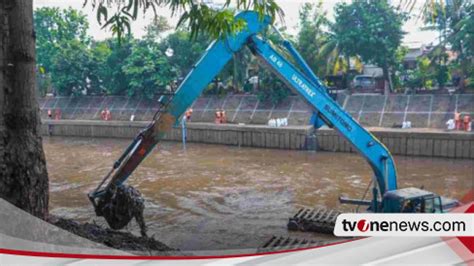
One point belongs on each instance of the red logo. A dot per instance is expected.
(362, 225)
(464, 246)
(468, 241)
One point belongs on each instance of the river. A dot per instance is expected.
(212, 197)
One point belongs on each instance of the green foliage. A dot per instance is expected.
(156, 28)
(439, 65)
(462, 38)
(43, 81)
(459, 34)
(470, 80)
(73, 70)
(55, 27)
(398, 68)
(195, 16)
(63, 50)
(147, 70)
(271, 88)
(370, 29)
(454, 20)
(421, 77)
(365, 29)
(75, 65)
(216, 88)
(111, 73)
(444, 17)
(312, 37)
(442, 75)
(186, 51)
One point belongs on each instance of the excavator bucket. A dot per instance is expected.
(119, 205)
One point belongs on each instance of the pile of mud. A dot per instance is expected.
(124, 241)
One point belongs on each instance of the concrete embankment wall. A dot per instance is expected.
(399, 142)
(227, 134)
(408, 143)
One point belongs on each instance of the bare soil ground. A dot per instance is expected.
(124, 241)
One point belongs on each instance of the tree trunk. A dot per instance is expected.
(23, 175)
(387, 80)
(348, 71)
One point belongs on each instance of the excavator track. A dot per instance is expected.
(318, 220)
(276, 243)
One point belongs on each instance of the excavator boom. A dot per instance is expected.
(206, 69)
(217, 55)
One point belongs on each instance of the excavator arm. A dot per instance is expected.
(204, 71)
(376, 154)
(172, 107)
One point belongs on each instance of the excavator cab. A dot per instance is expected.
(415, 200)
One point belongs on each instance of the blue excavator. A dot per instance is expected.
(119, 203)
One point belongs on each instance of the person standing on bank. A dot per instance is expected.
(457, 119)
(50, 127)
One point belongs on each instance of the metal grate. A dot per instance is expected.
(319, 220)
(276, 243)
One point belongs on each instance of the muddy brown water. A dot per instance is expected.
(212, 197)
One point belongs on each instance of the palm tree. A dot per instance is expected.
(337, 59)
(334, 55)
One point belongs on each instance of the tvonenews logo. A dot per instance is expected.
(400, 224)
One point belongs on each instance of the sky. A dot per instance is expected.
(414, 37)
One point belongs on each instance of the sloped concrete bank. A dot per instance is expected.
(414, 142)
(423, 111)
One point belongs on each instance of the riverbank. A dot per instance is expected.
(423, 111)
(411, 142)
